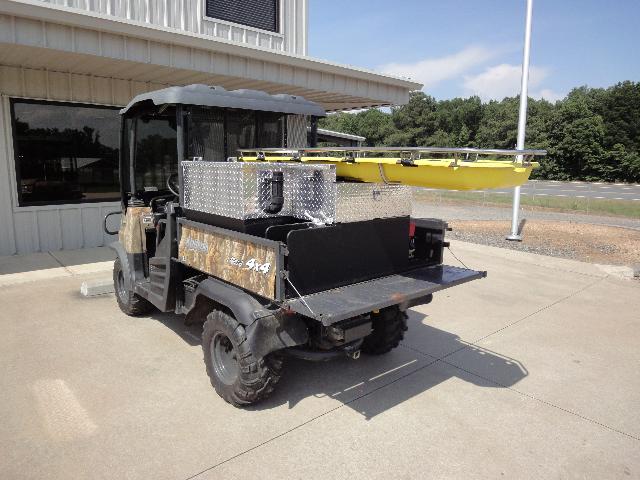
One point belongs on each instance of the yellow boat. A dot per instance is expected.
(465, 170)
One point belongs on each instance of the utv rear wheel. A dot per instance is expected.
(389, 326)
(128, 301)
(237, 375)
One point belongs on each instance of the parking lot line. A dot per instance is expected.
(63, 417)
(393, 370)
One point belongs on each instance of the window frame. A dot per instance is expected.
(131, 186)
(19, 204)
(257, 125)
(277, 33)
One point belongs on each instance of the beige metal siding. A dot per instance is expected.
(7, 238)
(95, 51)
(53, 227)
(189, 16)
(102, 54)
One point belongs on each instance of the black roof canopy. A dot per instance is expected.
(213, 96)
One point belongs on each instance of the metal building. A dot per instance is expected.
(67, 65)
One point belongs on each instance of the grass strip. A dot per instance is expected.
(595, 206)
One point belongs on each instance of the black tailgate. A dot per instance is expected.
(331, 306)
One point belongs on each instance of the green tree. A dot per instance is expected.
(372, 124)
(464, 137)
(416, 120)
(619, 107)
(575, 139)
(626, 164)
(460, 117)
(592, 134)
(498, 127)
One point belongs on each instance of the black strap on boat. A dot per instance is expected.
(349, 157)
(407, 162)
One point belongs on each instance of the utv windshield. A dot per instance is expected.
(211, 134)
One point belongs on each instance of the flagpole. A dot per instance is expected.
(522, 118)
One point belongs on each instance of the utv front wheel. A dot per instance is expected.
(128, 301)
(237, 375)
(389, 326)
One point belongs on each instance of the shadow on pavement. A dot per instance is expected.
(191, 334)
(347, 380)
(33, 262)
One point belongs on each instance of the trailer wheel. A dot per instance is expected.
(389, 326)
(129, 302)
(237, 375)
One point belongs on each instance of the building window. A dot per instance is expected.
(65, 153)
(262, 14)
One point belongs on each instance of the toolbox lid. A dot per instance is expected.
(214, 96)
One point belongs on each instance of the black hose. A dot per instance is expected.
(277, 193)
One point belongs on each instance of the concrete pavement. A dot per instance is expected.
(529, 373)
(15, 269)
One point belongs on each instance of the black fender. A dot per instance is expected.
(275, 332)
(245, 308)
(124, 262)
(267, 330)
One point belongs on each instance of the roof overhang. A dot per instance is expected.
(35, 34)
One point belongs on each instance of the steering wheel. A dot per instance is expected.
(172, 184)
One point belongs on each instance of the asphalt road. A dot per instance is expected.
(612, 191)
(466, 211)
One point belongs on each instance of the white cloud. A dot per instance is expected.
(503, 80)
(432, 71)
(494, 83)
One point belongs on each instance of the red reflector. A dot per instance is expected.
(412, 229)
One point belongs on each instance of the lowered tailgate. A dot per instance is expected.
(331, 306)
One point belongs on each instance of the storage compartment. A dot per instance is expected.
(356, 202)
(252, 196)
(245, 190)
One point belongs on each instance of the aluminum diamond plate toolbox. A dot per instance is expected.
(242, 190)
(356, 202)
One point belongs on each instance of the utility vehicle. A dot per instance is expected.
(275, 258)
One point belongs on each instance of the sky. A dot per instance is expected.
(458, 48)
